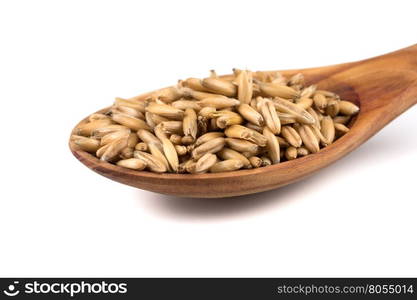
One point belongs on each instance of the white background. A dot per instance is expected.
(61, 60)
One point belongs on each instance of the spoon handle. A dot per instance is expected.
(386, 84)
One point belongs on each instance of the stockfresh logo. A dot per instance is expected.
(65, 288)
(12, 290)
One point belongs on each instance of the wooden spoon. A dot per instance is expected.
(383, 87)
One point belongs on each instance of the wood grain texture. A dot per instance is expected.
(383, 87)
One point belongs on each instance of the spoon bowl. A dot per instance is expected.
(383, 87)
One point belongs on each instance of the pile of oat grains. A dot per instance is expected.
(217, 124)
